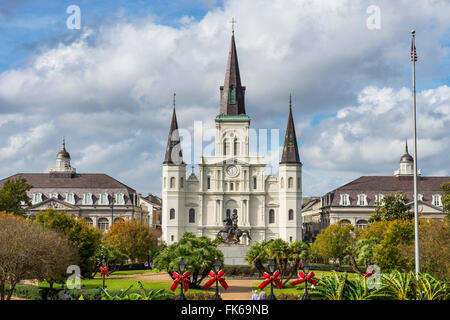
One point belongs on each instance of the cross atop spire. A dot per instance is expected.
(232, 24)
(64, 143)
(174, 95)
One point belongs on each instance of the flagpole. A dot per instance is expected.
(416, 214)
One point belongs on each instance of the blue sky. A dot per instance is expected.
(108, 86)
(29, 25)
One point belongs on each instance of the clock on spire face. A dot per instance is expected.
(232, 170)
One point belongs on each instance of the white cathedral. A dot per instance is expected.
(232, 181)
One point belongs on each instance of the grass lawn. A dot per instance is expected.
(116, 281)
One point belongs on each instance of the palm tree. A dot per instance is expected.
(431, 288)
(358, 289)
(333, 287)
(258, 255)
(399, 286)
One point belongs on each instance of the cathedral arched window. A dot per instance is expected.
(255, 183)
(290, 183)
(291, 214)
(172, 182)
(271, 216)
(172, 214)
(103, 224)
(181, 183)
(299, 183)
(191, 215)
(236, 146)
(208, 183)
(226, 147)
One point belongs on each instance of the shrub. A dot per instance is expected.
(289, 296)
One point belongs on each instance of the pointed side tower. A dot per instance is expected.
(290, 176)
(173, 186)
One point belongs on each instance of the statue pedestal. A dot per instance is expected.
(234, 254)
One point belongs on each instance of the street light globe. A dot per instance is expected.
(271, 266)
(182, 265)
(217, 265)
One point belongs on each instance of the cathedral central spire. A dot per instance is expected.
(232, 102)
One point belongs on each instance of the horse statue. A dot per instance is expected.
(231, 233)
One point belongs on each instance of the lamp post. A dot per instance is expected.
(182, 268)
(305, 267)
(271, 267)
(217, 265)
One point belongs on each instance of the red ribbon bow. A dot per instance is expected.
(304, 278)
(269, 278)
(215, 277)
(369, 272)
(179, 278)
(104, 270)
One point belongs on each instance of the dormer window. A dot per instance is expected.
(53, 195)
(345, 200)
(436, 200)
(379, 199)
(362, 200)
(419, 197)
(120, 199)
(104, 199)
(87, 198)
(37, 197)
(70, 197)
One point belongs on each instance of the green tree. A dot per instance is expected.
(257, 255)
(112, 256)
(199, 253)
(13, 195)
(387, 254)
(30, 251)
(445, 187)
(393, 207)
(131, 238)
(434, 248)
(84, 237)
(335, 242)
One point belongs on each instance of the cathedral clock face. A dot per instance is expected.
(232, 171)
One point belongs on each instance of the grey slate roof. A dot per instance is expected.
(79, 183)
(373, 185)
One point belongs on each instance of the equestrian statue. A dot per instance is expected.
(231, 233)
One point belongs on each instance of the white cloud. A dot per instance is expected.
(112, 87)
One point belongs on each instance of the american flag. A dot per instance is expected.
(413, 52)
